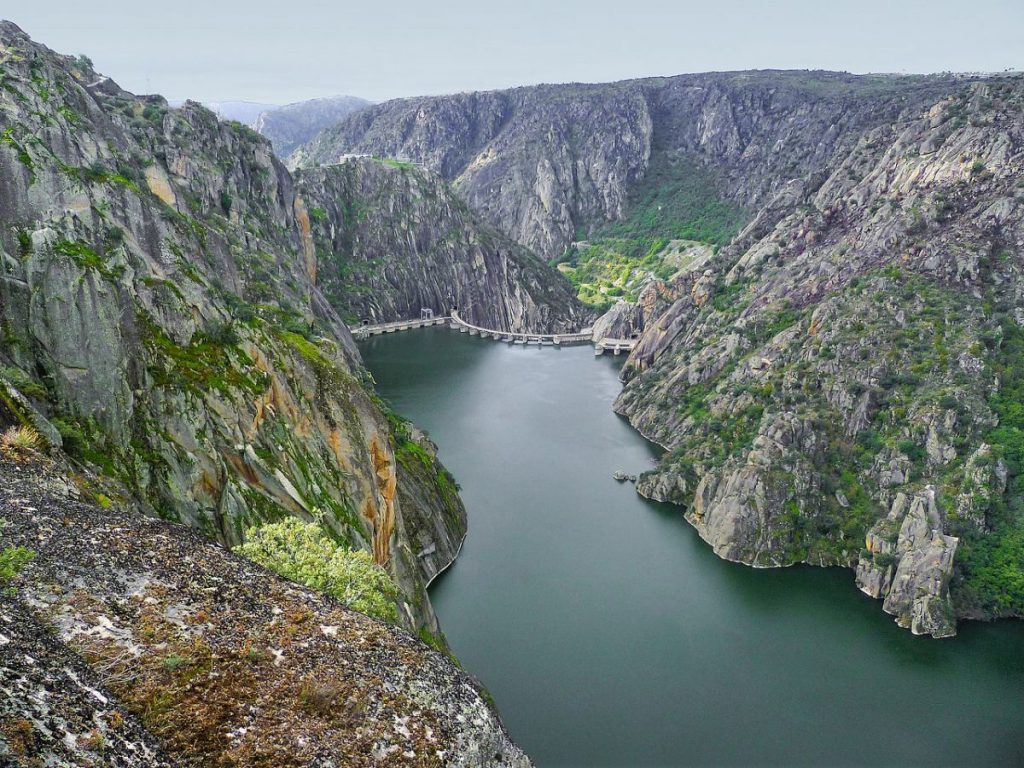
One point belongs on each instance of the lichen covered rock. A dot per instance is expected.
(196, 655)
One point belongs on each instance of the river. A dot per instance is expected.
(609, 634)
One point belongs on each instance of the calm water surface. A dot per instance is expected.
(610, 635)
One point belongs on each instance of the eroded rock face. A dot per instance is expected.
(541, 162)
(528, 159)
(221, 660)
(911, 572)
(623, 321)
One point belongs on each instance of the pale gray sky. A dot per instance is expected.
(288, 50)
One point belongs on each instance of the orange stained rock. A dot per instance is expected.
(338, 445)
(382, 515)
(278, 400)
(242, 468)
(208, 485)
(306, 237)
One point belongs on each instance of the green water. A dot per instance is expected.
(610, 635)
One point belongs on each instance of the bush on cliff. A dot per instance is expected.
(303, 552)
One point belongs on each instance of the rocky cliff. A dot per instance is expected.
(547, 163)
(392, 238)
(839, 385)
(162, 326)
(159, 306)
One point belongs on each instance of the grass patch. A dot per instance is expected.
(678, 199)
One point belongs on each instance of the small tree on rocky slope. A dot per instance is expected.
(303, 552)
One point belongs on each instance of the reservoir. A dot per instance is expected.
(609, 634)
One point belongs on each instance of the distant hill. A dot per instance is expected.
(293, 124)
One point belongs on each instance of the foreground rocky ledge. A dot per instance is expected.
(222, 662)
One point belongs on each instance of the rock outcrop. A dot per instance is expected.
(136, 642)
(912, 571)
(829, 387)
(525, 158)
(159, 306)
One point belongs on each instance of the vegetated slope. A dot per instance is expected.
(124, 628)
(672, 215)
(159, 312)
(392, 239)
(549, 164)
(841, 384)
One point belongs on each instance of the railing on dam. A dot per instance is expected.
(617, 346)
(555, 339)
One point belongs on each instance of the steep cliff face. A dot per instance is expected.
(840, 386)
(392, 239)
(152, 646)
(545, 164)
(159, 307)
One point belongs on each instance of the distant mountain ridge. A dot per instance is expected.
(546, 163)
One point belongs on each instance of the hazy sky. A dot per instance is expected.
(288, 50)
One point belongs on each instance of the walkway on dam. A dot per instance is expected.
(616, 346)
(362, 331)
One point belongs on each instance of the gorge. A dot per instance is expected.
(832, 370)
(819, 277)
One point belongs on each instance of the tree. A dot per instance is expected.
(303, 552)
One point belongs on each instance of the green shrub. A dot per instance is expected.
(12, 560)
(303, 552)
(913, 451)
(221, 333)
